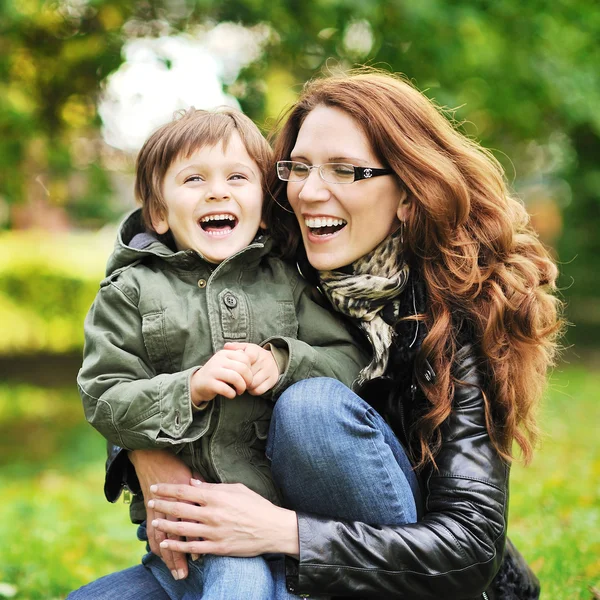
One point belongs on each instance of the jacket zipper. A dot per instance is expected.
(485, 596)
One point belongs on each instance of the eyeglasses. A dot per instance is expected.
(290, 170)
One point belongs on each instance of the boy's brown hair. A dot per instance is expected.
(190, 131)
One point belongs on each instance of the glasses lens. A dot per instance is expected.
(288, 170)
(298, 171)
(337, 172)
(283, 170)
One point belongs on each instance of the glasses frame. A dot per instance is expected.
(360, 173)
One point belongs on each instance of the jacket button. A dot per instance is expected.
(230, 301)
(201, 283)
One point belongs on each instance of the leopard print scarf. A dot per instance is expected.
(375, 280)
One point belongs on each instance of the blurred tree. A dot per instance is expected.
(523, 78)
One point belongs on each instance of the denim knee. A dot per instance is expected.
(313, 417)
(312, 400)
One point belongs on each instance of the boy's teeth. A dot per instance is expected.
(217, 218)
(314, 222)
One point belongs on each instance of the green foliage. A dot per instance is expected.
(523, 78)
(47, 284)
(555, 503)
(58, 532)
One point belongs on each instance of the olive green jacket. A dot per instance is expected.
(161, 314)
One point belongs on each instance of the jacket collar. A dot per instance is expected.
(135, 243)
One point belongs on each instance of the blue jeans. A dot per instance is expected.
(332, 455)
(210, 578)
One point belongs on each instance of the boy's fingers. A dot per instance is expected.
(224, 389)
(235, 346)
(252, 351)
(263, 387)
(237, 355)
(246, 371)
(234, 378)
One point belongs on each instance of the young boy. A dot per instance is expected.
(197, 327)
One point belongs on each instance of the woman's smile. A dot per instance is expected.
(340, 222)
(321, 228)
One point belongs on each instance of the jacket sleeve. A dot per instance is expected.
(326, 344)
(453, 552)
(123, 398)
(120, 473)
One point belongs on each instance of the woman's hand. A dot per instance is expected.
(231, 520)
(160, 465)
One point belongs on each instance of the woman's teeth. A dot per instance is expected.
(316, 222)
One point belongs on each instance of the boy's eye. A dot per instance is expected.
(193, 178)
(237, 177)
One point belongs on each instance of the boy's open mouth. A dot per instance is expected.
(324, 225)
(217, 225)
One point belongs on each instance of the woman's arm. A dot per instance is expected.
(231, 519)
(453, 552)
(160, 465)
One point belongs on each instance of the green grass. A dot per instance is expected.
(58, 532)
(555, 502)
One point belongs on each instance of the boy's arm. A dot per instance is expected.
(123, 398)
(325, 347)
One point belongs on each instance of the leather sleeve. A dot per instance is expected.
(453, 552)
(119, 473)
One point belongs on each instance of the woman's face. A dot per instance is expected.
(340, 222)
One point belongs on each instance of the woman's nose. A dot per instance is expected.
(314, 189)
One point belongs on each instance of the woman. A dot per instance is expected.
(412, 233)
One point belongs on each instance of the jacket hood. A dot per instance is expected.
(134, 243)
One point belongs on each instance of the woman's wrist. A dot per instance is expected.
(288, 541)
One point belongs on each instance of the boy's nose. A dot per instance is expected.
(217, 192)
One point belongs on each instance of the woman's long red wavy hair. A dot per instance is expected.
(472, 243)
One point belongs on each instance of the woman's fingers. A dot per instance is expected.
(179, 559)
(182, 529)
(179, 510)
(175, 561)
(198, 547)
(197, 493)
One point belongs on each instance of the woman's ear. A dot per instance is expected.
(403, 204)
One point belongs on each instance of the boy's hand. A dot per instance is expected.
(228, 373)
(264, 368)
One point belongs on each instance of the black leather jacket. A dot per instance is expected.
(457, 546)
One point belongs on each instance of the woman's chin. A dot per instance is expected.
(326, 261)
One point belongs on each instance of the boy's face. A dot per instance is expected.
(214, 200)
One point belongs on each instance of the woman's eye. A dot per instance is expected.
(299, 169)
(343, 170)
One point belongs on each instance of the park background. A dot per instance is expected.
(82, 82)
